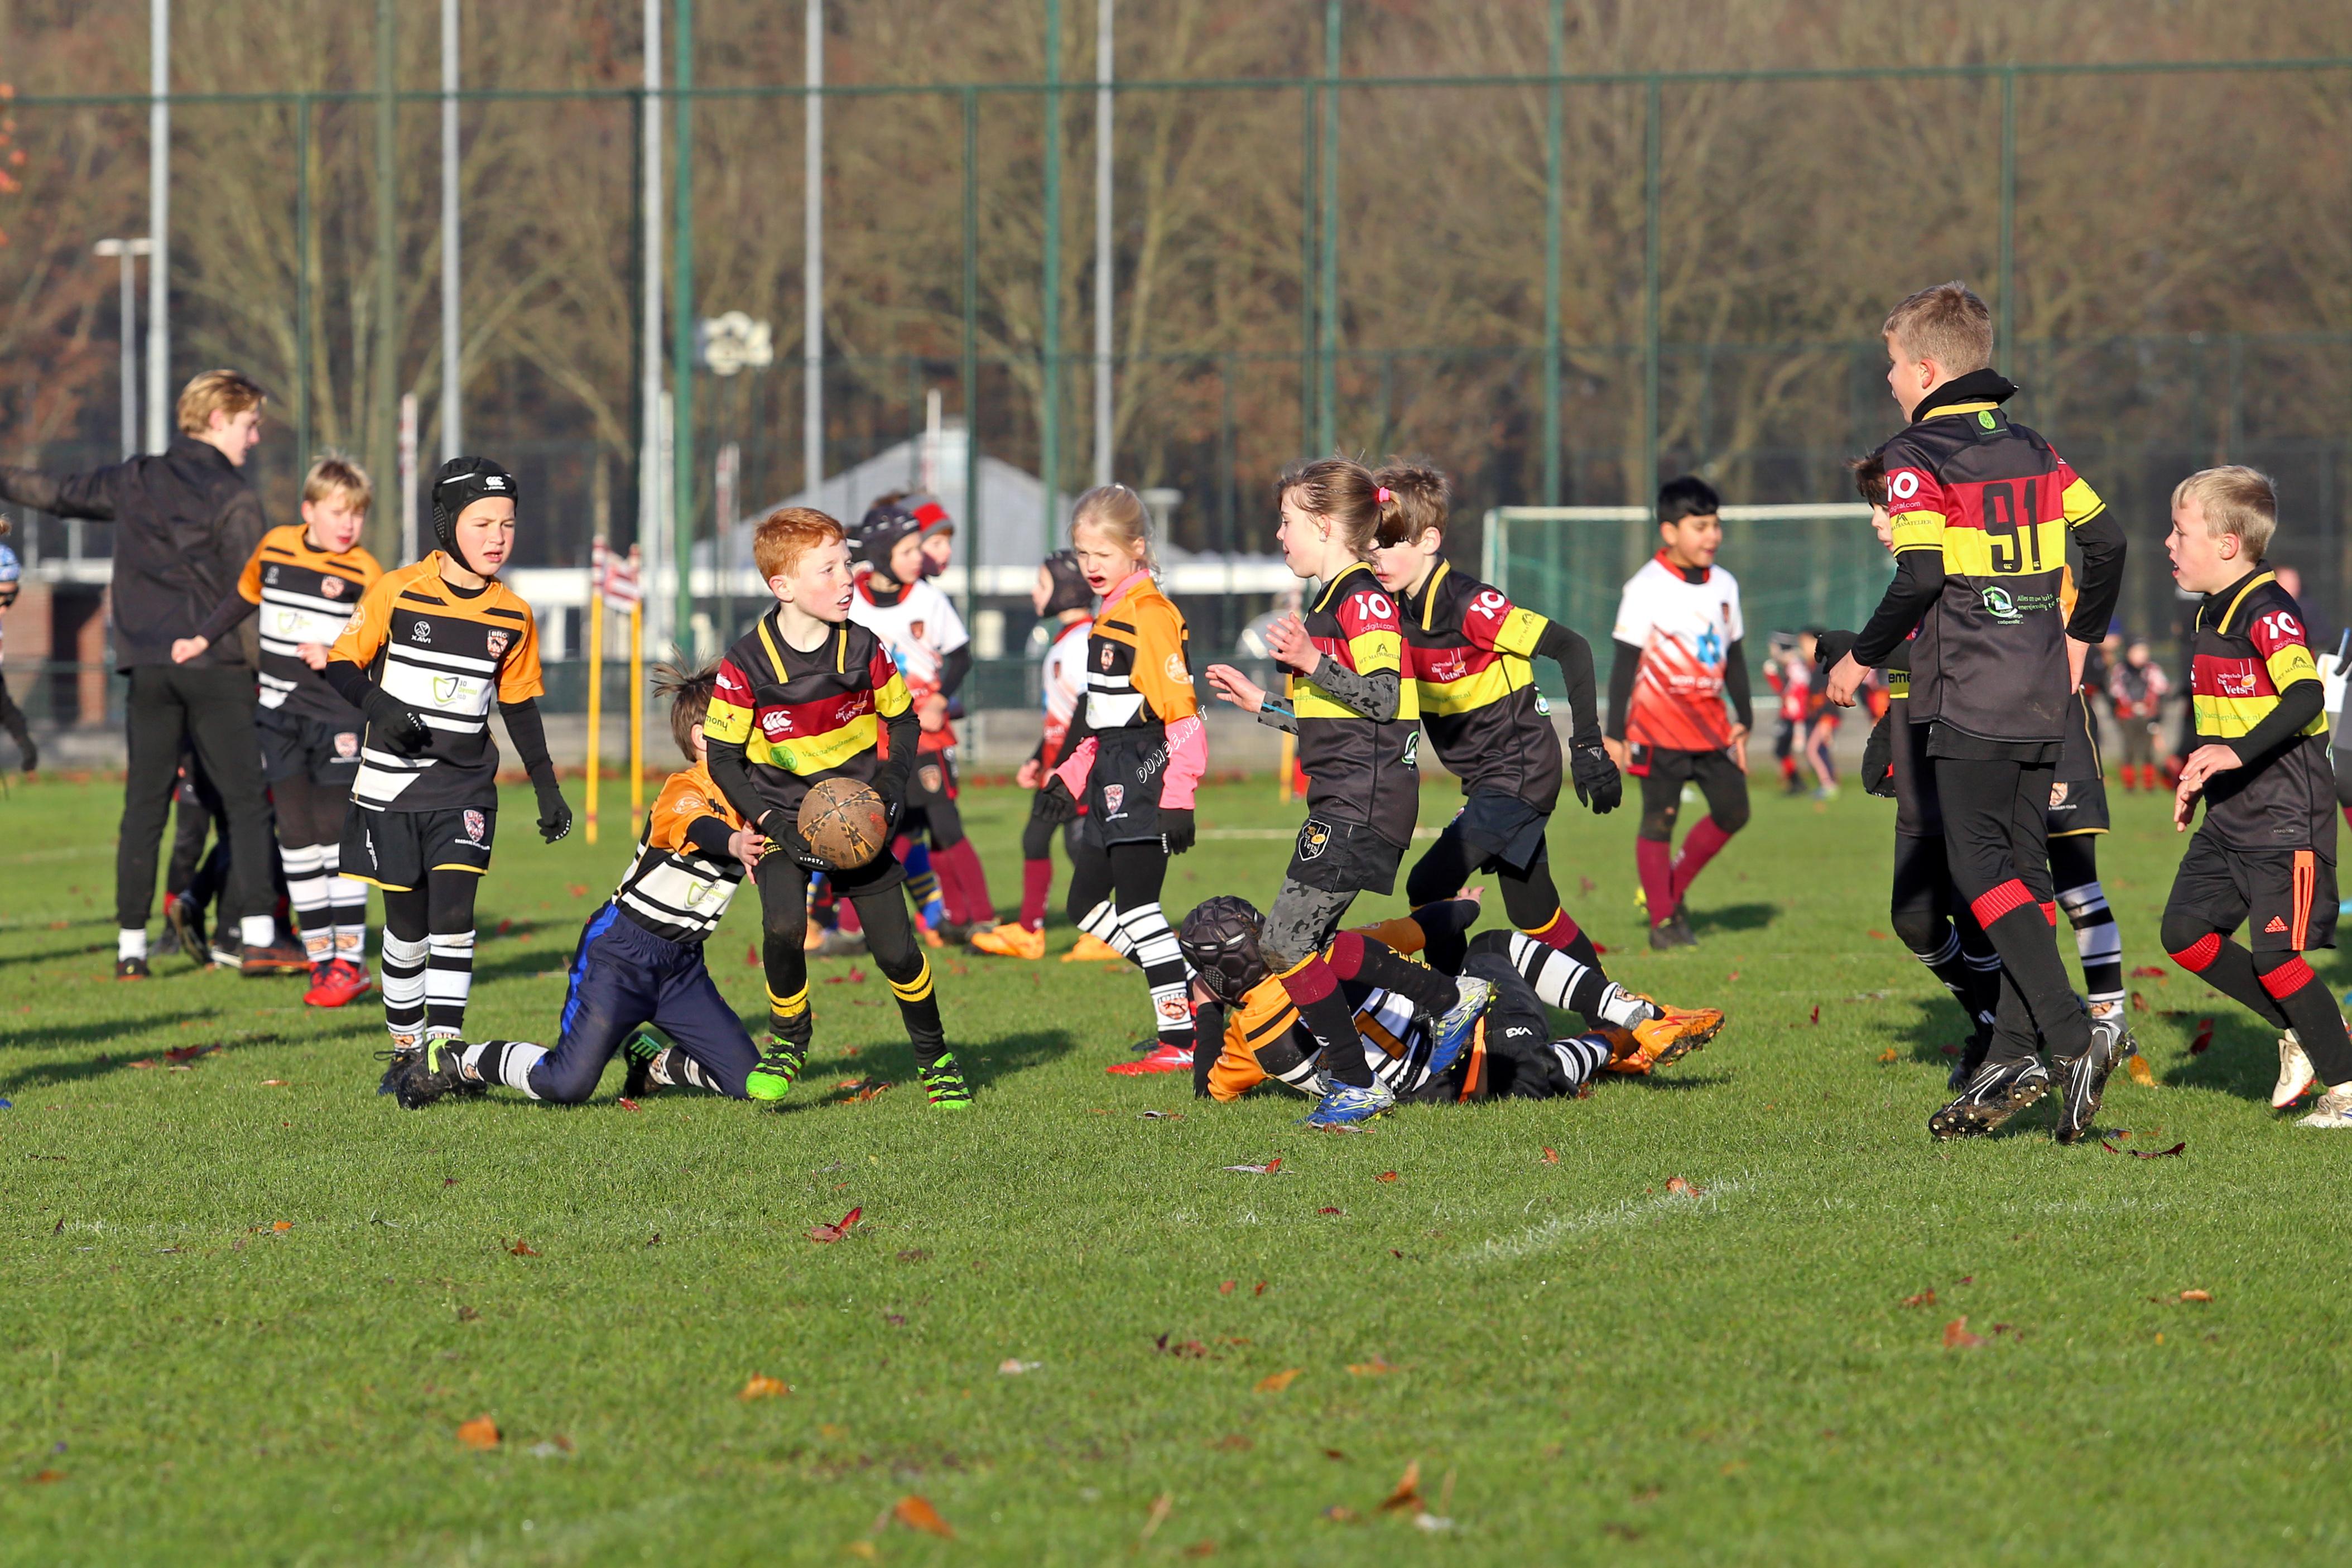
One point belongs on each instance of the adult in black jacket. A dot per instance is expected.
(184, 522)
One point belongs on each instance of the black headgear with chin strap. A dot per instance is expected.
(1219, 940)
(880, 531)
(1070, 590)
(461, 482)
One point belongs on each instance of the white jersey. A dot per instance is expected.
(920, 630)
(1686, 630)
(1065, 682)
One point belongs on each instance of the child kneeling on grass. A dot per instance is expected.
(639, 962)
(2265, 856)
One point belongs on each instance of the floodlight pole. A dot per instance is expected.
(1646, 484)
(1049, 396)
(682, 325)
(1103, 273)
(159, 224)
(1326, 334)
(652, 479)
(126, 251)
(1559, 30)
(813, 256)
(452, 431)
(385, 414)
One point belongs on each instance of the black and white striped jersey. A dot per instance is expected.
(305, 595)
(678, 884)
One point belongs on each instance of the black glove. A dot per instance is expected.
(1176, 829)
(396, 724)
(555, 815)
(780, 830)
(1054, 806)
(1878, 758)
(1830, 647)
(1598, 784)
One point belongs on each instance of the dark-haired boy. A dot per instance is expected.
(639, 962)
(1680, 654)
(2265, 854)
(1982, 510)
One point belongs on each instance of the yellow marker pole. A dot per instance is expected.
(1289, 764)
(636, 719)
(596, 704)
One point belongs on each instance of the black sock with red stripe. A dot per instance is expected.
(2310, 1007)
(2022, 929)
(2228, 969)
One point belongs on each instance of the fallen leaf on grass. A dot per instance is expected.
(1225, 1287)
(1260, 1288)
(824, 1234)
(273, 1083)
(1406, 1492)
(1012, 1368)
(1378, 1366)
(1386, 1176)
(625, 1104)
(2204, 1037)
(278, 1225)
(870, 1091)
(751, 959)
(1159, 1115)
(855, 976)
(1878, 936)
(1733, 975)
(1957, 1338)
(2145, 1153)
(1887, 1054)
(2138, 1002)
(1817, 1012)
(2197, 1295)
(1335, 1454)
(481, 1432)
(2147, 971)
(1339, 1513)
(1686, 1189)
(1924, 1299)
(1268, 1169)
(1275, 1383)
(1327, 1211)
(914, 1255)
(762, 1386)
(1161, 1506)
(1550, 1155)
(467, 1314)
(915, 1512)
(864, 1551)
(2135, 1068)
(577, 890)
(44, 1477)
(524, 1249)
(1202, 1549)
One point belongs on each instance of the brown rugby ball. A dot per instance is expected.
(843, 821)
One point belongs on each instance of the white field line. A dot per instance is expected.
(1621, 1215)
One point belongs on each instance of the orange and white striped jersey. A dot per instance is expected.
(305, 595)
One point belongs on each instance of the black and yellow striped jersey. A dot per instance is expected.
(1139, 661)
(1358, 771)
(798, 718)
(305, 595)
(680, 880)
(2250, 649)
(447, 653)
(1467, 648)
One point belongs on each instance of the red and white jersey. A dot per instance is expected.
(920, 629)
(1064, 683)
(1684, 630)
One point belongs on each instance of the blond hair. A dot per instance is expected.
(2236, 499)
(1947, 323)
(332, 474)
(788, 533)
(1120, 514)
(1413, 497)
(228, 391)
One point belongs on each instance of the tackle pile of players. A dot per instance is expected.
(1987, 744)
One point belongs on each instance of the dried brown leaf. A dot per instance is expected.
(1275, 1383)
(1406, 1492)
(1957, 1338)
(762, 1387)
(481, 1432)
(915, 1511)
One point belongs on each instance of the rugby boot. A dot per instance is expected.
(404, 1050)
(642, 1054)
(2294, 1072)
(943, 1082)
(337, 983)
(1344, 1105)
(1011, 940)
(131, 969)
(1091, 949)
(433, 1073)
(1672, 1034)
(186, 920)
(275, 958)
(2333, 1110)
(1161, 1057)
(772, 1076)
(1672, 933)
(2084, 1077)
(1450, 1033)
(1997, 1091)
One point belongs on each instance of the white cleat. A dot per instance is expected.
(2333, 1110)
(2294, 1072)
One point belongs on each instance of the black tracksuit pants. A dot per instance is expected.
(208, 711)
(1996, 843)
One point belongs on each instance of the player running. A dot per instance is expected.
(1679, 656)
(430, 647)
(307, 582)
(1984, 509)
(12, 718)
(639, 960)
(1467, 649)
(1357, 722)
(1064, 600)
(1136, 754)
(2265, 854)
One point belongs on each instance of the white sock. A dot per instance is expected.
(257, 930)
(132, 943)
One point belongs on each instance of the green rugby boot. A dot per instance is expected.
(772, 1075)
(943, 1081)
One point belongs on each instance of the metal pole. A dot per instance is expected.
(1306, 155)
(1327, 332)
(302, 282)
(159, 225)
(652, 478)
(453, 429)
(1103, 276)
(971, 522)
(813, 260)
(1049, 440)
(130, 345)
(682, 321)
(2007, 216)
(1558, 41)
(1651, 138)
(385, 412)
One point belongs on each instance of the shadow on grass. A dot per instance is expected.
(58, 954)
(2243, 1059)
(1732, 916)
(49, 1075)
(893, 1064)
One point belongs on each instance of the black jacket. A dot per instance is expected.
(185, 522)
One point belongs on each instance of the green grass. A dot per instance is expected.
(1598, 1367)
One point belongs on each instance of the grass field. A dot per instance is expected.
(248, 1304)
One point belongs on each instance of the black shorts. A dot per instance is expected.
(1123, 790)
(2284, 897)
(1343, 858)
(1664, 772)
(2079, 805)
(395, 849)
(1501, 832)
(296, 747)
(932, 781)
